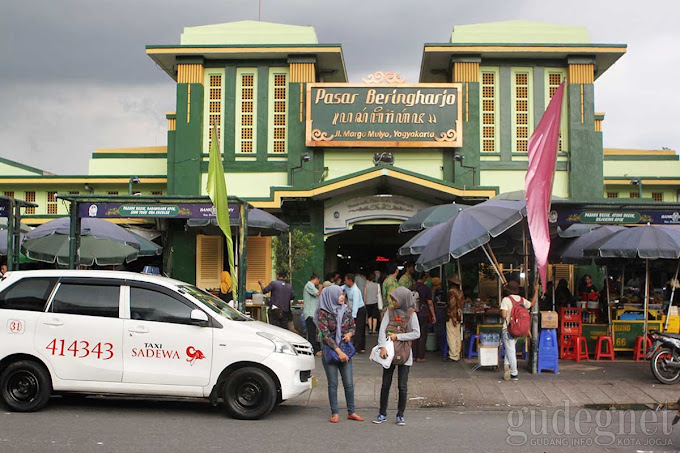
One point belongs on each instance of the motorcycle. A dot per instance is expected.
(664, 357)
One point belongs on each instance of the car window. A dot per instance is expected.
(214, 303)
(150, 305)
(88, 300)
(28, 294)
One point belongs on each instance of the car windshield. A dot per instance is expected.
(215, 304)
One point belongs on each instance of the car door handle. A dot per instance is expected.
(138, 330)
(53, 322)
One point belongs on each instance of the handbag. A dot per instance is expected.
(375, 354)
(332, 357)
(380, 301)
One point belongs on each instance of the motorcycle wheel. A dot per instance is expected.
(661, 371)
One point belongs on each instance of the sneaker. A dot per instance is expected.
(515, 377)
(379, 419)
(401, 421)
(506, 374)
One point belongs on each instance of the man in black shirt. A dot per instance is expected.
(279, 301)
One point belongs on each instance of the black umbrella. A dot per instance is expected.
(574, 252)
(259, 223)
(428, 217)
(649, 242)
(470, 229)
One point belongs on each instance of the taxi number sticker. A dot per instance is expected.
(80, 349)
(15, 326)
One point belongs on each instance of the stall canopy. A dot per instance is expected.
(260, 223)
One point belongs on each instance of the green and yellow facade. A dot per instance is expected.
(252, 80)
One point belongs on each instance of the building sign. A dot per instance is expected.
(155, 210)
(617, 217)
(372, 115)
(340, 216)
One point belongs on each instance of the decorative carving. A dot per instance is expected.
(383, 77)
(448, 136)
(318, 135)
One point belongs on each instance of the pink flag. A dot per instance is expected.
(538, 183)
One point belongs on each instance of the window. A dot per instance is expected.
(635, 195)
(246, 110)
(214, 106)
(612, 195)
(9, 194)
(113, 192)
(30, 196)
(554, 78)
(73, 192)
(156, 193)
(657, 196)
(87, 300)
(489, 109)
(259, 261)
(150, 305)
(51, 202)
(28, 294)
(522, 109)
(278, 109)
(209, 261)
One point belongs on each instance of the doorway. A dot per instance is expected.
(369, 247)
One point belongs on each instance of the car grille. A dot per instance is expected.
(303, 348)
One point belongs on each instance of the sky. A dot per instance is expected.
(74, 76)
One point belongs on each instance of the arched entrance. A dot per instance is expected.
(367, 246)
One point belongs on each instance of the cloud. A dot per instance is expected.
(75, 76)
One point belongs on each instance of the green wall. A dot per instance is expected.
(188, 140)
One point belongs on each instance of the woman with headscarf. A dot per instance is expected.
(399, 319)
(226, 293)
(336, 324)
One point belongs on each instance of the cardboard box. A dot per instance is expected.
(549, 320)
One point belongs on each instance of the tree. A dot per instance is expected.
(302, 245)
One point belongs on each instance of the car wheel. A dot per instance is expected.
(249, 394)
(25, 386)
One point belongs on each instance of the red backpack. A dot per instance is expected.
(519, 324)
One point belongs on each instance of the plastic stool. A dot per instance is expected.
(637, 352)
(471, 346)
(579, 345)
(604, 341)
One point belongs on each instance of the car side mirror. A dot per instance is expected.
(199, 318)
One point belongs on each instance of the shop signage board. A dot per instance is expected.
(384, 115)
(625, 333)
(619, 217)
(154, 210)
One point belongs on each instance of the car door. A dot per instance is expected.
(81, 333)
(21, 305)
(161, 345)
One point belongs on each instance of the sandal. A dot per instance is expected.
(334, 418)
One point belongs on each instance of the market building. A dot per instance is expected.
(350, 161)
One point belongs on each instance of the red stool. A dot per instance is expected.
(638, 353)
(604, 341)
(580, 348)
(567, 348)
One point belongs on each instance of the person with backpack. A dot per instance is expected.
(400, 326)
(516, 324)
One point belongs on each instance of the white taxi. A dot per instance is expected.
(110, 332)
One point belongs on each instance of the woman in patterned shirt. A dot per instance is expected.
(336, 324)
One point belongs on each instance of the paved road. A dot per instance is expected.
(115, 425)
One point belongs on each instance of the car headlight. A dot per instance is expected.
(280, 345)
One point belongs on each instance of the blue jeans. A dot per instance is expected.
(345, 369)
(510, 343)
